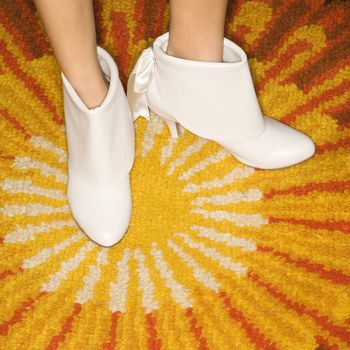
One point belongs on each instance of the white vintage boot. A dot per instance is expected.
(214, 100)
(100, 145)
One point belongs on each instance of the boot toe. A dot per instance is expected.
(277, 147)
(102, 213)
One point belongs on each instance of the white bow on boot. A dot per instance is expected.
(214, 100)
(100, 145)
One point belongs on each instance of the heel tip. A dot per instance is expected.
(173, 128)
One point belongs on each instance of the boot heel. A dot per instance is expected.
(173, 128)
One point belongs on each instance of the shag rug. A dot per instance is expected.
(218, 255)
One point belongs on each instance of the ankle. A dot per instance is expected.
(92, 93)
(196, 49)
(91, 90)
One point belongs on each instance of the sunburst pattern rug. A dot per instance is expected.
(218, 255)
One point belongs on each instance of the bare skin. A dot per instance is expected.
(197, 29)
(196, 32)
(70, 26)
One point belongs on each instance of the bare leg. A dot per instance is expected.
(197, 29)
(70, 26)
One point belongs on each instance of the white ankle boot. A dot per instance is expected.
(100, 145)
(214, 100)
